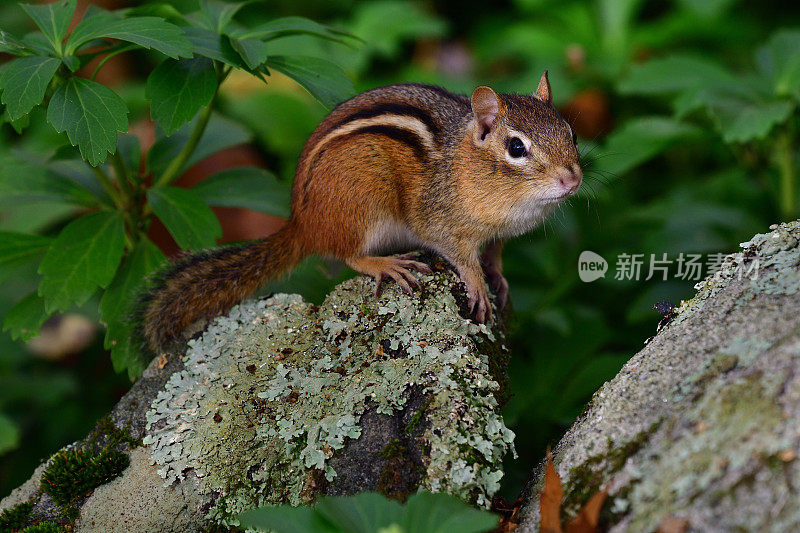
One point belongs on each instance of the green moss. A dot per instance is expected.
(113, 436)
(590, 476)
(74, 473)
(393, 449)
(416, 418)
(395, 481)
(15, 517)
(743, 411)
(44, 527)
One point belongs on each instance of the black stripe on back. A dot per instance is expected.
(460, 98)
(404, 136)
(398, 134)
(390, 109)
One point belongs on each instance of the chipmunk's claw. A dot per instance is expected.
(399, 270)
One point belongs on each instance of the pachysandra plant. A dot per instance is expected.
(756, 108)
(117, 196)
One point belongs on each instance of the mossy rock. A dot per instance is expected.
(699, 429)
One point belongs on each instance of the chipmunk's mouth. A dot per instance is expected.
(559, 197)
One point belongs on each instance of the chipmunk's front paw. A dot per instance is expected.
(385, 268)
(479, 305)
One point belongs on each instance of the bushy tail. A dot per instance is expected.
(207, 284)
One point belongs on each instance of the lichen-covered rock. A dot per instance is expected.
(280, 401)
(700, 428)
(275, 397)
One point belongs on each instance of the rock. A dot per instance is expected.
(280, 401)
(700, 428)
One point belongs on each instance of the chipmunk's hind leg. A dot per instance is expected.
(384, 268)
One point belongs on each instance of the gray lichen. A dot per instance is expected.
(701, 425)
(273, 390)
(769, 261)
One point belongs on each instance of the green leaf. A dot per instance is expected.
(148, 32)
(219, 14)
(285, 519)
(640, 140)
(779, 59)
(115, 307)
(323, 79)
(220, 133)
(38, 43)
(9, 434)
(91, 114)
(27, 182)
(24, 83)
(19, 248)
(73, 63)
(144, 259)
(188, 219)
(370, 512)
(249, 187)
(84, 256)
(131, 151)
(741, 120)
(178, 89)
(161, 10)
(671, 75)
(25, 318)
(19, 125)
(386, 25)
(212, 45)
(53, 19)
(363, 513)
(252, 51)
(11, 45)
(286, 26)
(708, 9)
(442, 513)
(741, 111)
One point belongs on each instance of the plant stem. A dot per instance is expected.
(121, 170)
(173, 171)
(105, 181)
(110, 55)
(785, 159)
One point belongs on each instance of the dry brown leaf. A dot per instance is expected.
(586, 521)
(550, 506)
(509, 513)
(550, 499)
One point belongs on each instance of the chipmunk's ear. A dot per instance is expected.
(543, 90)
(486, 106)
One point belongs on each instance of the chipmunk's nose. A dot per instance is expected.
(569, 178)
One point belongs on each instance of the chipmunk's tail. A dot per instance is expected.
(207, 284)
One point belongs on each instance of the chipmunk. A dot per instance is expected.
(395, 168)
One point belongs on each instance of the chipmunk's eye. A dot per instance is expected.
(516, 148)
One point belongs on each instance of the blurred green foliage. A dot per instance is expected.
(687, 117)
(369, 511)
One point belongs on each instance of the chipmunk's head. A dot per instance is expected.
(529, 148)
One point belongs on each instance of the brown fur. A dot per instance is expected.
(207, 284)
(404, 162)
